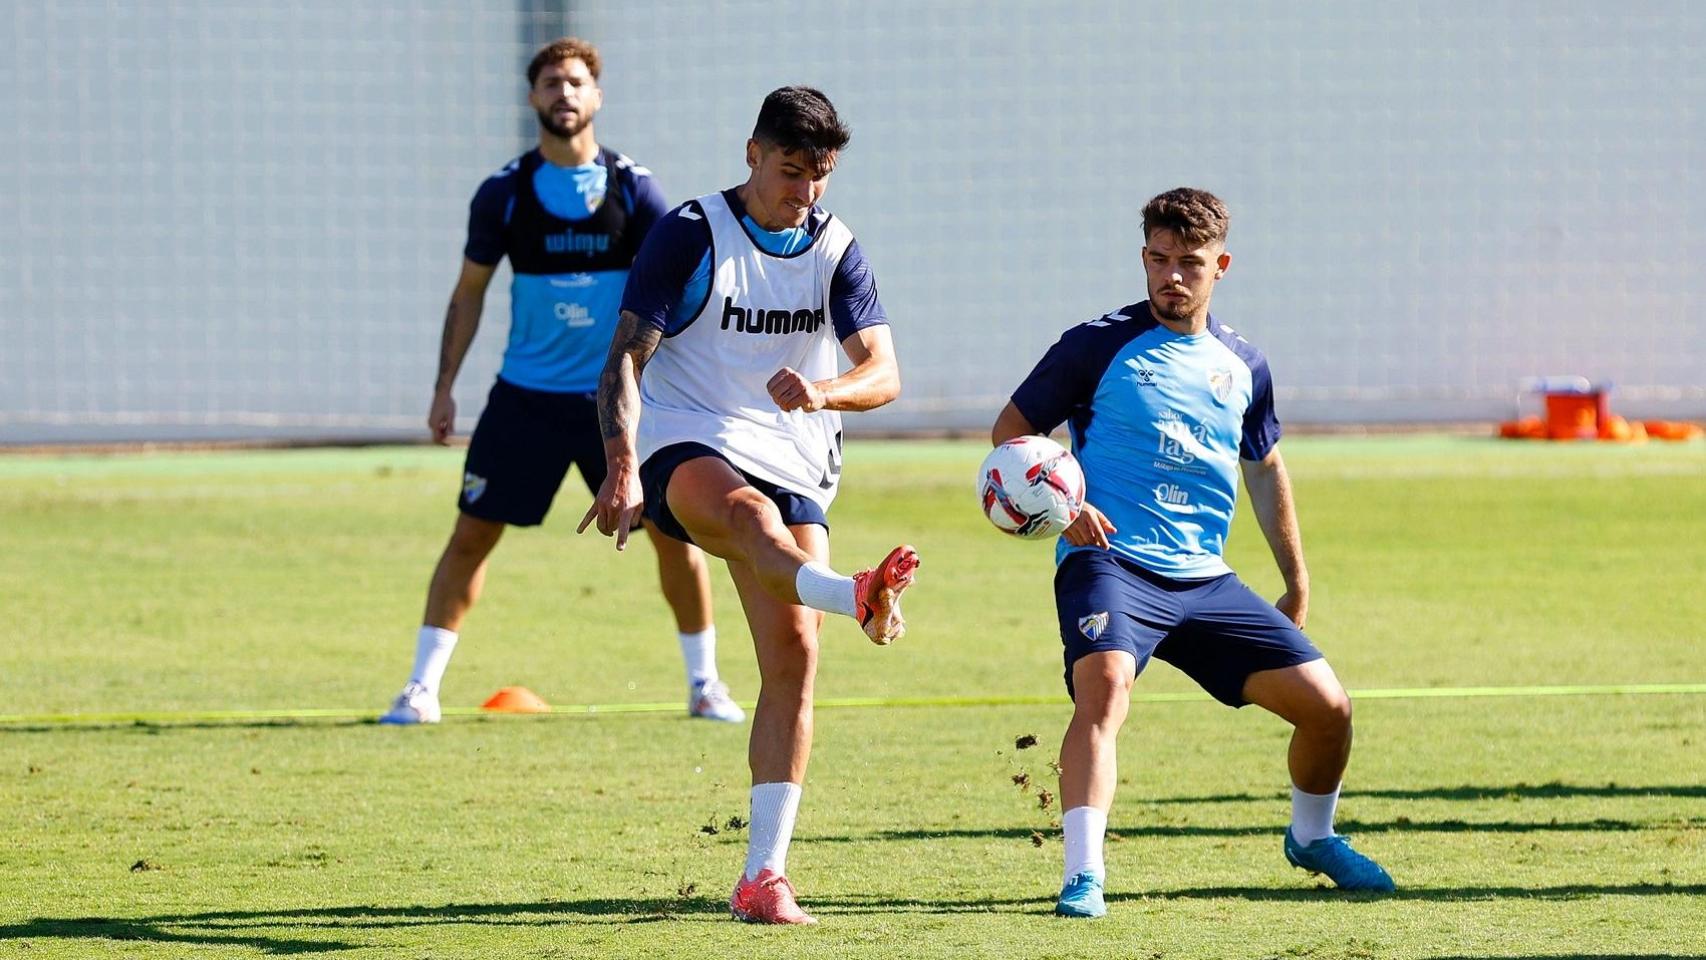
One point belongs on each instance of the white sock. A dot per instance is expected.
(774, 807)
(823, 589)
(432, 654)
(699, 653)
(1084, 828)
(1312, 814)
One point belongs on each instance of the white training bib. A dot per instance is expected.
(706, 383)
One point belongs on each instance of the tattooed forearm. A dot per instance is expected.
(619, 384)
(445, 371)
(461, 322)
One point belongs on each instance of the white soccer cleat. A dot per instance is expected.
(710, 701)
(416, 704)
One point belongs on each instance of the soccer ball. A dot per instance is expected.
(1031, 488)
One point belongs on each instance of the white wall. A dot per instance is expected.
(245, 219)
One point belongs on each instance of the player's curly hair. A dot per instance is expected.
(566, 48)
(803, 119)
(1197, 216)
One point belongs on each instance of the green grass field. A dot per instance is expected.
(178, 585)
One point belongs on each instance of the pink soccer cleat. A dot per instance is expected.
(767, 898)
(877, 594)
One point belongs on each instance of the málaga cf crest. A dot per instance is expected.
(1220, 383)
(1093, 625)
(472, 486)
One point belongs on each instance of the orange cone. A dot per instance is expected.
(1672, 430)
(1528, 428)
(516, 700)
(1618, 429)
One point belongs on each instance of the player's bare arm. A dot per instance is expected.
(1091, 527)
(873, 380)
(461, 322)
(620, 501)
(1009, 424)
(619, 383)
(1276, 514)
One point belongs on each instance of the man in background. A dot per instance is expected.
(570, 215)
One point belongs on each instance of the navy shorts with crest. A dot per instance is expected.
(522, 449)
(1217, 630)
(654, 484)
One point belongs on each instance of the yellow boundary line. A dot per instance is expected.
(170, 717)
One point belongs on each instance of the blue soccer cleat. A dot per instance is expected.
(1334, 857)
(1082, 897)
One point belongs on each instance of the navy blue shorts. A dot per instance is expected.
(654, 483)
(523, 447)
(1218, 631)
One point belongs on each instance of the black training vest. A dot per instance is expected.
(543, 243)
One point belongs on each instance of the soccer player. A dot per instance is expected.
(720, 407)
(569, 215)
(1162, 400)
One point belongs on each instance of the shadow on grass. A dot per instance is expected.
(1568, 891)
(1350, 827)
(1045, 904)
(1516, 791)
(149, 930)
(256, 928)
(154, 728)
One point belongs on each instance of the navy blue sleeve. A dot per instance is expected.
(1063, 380)
(673, 249)
(853, 303)
(488, 214)
(649, 205)
(1261, 423)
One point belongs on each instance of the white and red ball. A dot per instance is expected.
(1031, 487)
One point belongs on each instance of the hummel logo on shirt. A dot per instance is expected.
(759, 320)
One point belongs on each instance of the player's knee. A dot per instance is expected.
(791, 659)
(1332, 711)
(693, 561)
(1117, 679)
(1341, 707)
(747, 516)
(675, 556)
(472, 539)
(1103, 691)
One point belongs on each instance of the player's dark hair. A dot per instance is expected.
(1197, 216)
(802, 119)
(566, 48)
